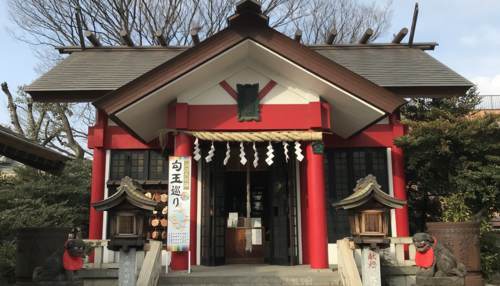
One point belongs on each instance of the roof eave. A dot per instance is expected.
(66, 95)
(31, 154)
(437, 91)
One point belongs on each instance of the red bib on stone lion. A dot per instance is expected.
(425, 259)
(72, 263)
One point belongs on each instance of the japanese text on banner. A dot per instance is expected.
(179, 191)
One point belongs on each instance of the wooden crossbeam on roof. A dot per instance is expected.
(298, 35)
(413, 25)
(194, 34)
(78, 16)
(93, 39)
(125, 38)
(400, 36)
(366, 36)
(331, 36)
(160, 39)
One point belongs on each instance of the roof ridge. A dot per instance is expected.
(420, 46)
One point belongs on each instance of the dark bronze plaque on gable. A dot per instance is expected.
(248, 102)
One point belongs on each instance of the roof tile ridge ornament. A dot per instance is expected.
(248, 12)
(366, 181)
(367, 189)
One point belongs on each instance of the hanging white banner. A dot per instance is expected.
(179, 201)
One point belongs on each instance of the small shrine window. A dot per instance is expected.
(126, 225)
(372, 222)
(248, 102)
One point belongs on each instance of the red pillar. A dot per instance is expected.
(184, 147)
(98, 172)
(399, 181)
(318, 238)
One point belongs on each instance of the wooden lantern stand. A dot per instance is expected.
(369, 208)
(127, 211)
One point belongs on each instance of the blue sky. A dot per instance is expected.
(468, 33)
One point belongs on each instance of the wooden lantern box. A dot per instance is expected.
(369, 211)
(371, 222)
(128, 209)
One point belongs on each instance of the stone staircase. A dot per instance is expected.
(252, 275)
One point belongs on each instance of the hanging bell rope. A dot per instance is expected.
(264, 136)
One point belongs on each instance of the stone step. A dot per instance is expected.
(240, 275)
(249, 280)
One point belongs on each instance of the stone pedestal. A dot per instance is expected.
(127, 271)
(370, 267)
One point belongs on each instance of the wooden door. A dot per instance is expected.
(213, 225)
(283, 213)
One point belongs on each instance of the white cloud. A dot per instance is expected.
(488, 85)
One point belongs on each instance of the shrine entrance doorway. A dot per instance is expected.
(249, 215)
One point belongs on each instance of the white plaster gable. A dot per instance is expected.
(214, 95)
(284, 92)
(349, 113)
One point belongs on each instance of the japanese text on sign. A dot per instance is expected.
(179, 192)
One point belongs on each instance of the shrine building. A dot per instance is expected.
(277, 130)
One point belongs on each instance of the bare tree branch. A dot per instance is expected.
(51, 22)
(46, 24)
(68, 131)
(14, 118)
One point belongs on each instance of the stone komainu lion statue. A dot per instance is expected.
(434, 259)
(62, 265)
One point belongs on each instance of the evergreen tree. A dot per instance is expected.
(452, 156)
(33, 198)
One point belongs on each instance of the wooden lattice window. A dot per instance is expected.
(343, 168)
(138, 164)
(126, 224)
(248, 102)
(158, 167)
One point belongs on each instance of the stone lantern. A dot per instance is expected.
(128, 209)
(369, 211)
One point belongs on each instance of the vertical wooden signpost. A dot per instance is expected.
(179, 202)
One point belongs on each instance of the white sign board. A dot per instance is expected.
(179, 200)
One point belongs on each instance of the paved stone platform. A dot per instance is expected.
(252, 275)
